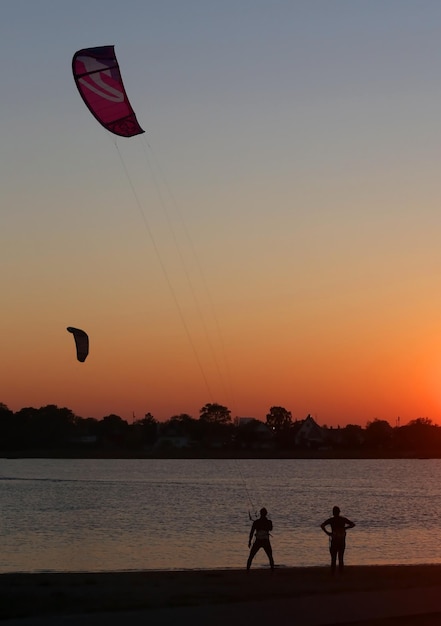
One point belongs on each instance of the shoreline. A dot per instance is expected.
(221, 454)
(26, 595)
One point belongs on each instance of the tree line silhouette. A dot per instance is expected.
(50, 428)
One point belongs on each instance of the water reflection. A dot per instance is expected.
(100, 515)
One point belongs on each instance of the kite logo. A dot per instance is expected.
(95, 82)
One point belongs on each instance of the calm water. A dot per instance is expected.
(100, 515)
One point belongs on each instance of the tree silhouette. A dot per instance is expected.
(215, 414)
(278, 419)
(142, 432)
(378, 434)
(112, 428)
(352, 436)
(9, 432)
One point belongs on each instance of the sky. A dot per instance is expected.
(271, 240)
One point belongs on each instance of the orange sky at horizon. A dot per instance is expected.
(121, 375)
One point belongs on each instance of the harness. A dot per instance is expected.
(261, 535)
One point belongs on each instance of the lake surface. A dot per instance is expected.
(103, 515)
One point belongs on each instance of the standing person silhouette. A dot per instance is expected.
(339, 526)
(261, 527)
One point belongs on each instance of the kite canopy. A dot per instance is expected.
(81, 342)
(97, 76)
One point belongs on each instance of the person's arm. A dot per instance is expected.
(323, 527)
(348, 523)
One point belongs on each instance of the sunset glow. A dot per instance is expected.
(273, 239)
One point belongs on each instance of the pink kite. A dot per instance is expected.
(97, 76)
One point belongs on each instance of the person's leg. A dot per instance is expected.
(333, 551)
(254, 548)
(269, 551)
(341, 552)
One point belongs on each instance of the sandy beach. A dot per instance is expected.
(380, 595)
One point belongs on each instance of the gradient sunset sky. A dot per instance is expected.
(272, 240)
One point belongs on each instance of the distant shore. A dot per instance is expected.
(191, 453)
(44, 594)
